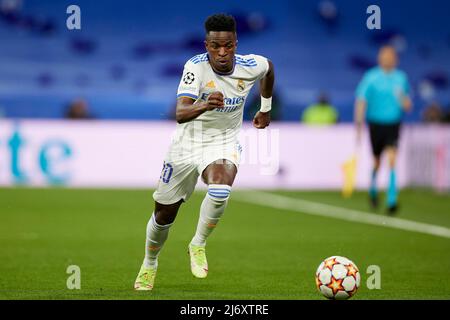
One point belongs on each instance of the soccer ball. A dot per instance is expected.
(337, 278)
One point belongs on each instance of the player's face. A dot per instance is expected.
(221, 46)
(387, 58)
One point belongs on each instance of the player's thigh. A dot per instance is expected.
(377, 139)
(391, 142)
(392, 135)
(177, 182)
(219, 164)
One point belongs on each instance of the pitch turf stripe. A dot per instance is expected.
(324, 210)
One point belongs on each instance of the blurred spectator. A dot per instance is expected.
(447, 114)
(249, 23)
(10, 6)
(45, 79)
(328, 14)
(433, 113)
(83, 46)
(320, 113)
(78, 109)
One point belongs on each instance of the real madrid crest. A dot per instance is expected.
(241, 85)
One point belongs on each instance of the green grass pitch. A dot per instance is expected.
(255, 253)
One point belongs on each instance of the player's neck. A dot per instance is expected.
(388, 70)
(223, 73)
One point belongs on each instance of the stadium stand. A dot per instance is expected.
(127, 59)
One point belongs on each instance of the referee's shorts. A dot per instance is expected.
(382, 136)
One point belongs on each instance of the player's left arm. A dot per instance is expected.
(361, 105)
(407, 103)
(262, 117)
(406, 99)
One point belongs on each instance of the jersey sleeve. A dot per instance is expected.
(262, 65)
(363, 87)
(190, 81)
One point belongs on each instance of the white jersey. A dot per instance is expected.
(212, 136)
(199, 80)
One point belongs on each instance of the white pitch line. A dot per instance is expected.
(319, 209)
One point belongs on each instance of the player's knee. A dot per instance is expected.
(376, 164)
(166, 214)
(392, 164)
(163, 217)
(219, 192)
(222, 172)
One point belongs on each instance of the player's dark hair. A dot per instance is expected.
(220, 22)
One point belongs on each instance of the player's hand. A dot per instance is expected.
(261, 120)
(407, 104)
(215, 100)
(358, 137)
(359, 133)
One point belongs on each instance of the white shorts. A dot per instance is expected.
(182, 168)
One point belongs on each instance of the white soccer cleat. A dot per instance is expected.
(199, 264)
(145, 278)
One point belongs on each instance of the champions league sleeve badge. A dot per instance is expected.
(188, 78)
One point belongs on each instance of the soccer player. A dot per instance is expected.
(382, 96)
(210, 102)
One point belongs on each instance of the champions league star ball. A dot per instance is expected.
(337, 278)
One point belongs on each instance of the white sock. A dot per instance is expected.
(156, 236)
(211, 210)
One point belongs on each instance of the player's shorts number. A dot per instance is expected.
(166, 173)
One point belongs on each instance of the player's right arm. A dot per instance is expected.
(189, 106)
(361, 104)
(188, 109)
(406, 101)
(360, 110)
